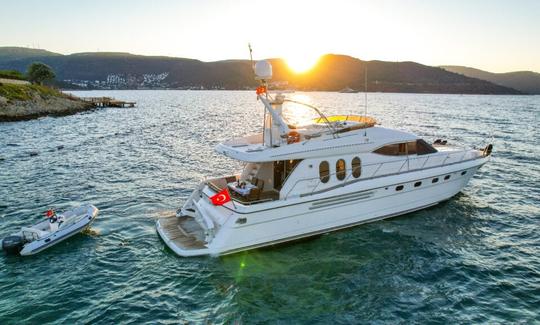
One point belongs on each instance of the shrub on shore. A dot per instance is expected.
(25, 92)
(12, 74)
(39, 72)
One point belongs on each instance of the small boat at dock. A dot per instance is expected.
(56, 228)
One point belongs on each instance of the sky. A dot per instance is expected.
(497, 36)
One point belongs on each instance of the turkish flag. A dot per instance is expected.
(221, 198)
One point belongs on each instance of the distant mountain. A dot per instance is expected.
(18, 53)
(524, 81)
(331, 73)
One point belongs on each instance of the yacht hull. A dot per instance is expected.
(346, 207)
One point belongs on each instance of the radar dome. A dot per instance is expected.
(263, 70)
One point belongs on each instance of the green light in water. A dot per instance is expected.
(242, 264)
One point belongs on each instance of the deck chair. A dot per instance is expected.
(254, 180)
(260, 184)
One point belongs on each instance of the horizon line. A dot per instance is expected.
(247, 59)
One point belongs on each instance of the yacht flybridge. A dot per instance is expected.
(301, 180)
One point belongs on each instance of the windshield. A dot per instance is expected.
(298, 115)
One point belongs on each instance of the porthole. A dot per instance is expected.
(463, 172)
(435, 180)
(356, 167)
(324, 171)
(447, 177)
(399, 187)
(340, 169)
(417, 184)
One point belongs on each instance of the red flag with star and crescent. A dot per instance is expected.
(221, 198)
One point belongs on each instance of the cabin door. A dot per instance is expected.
(282, 169)
(279, 171)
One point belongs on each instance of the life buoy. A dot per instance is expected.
(293, 137)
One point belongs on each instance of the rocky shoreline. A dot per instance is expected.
(34, 102)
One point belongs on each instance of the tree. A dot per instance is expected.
(39, 72)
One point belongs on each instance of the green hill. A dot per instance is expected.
(524, 81)
(331, 73)
(20, 53)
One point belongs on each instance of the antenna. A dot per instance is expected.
(365, 90)
(250, 55)
(365, 95)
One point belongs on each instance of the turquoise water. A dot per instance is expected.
(473, 259)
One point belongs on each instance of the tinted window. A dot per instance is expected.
(424, 148)
(402, 148)
(417, 184)
(389, 150)
(396, 149)
(340, 169)
(324, 171)
(411, 148)
(356, 167)
(447, 177)
(464, 172)
(399, 187)
(435, 180)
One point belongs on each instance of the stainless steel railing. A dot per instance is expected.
(405, 163)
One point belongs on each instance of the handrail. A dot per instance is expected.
(330, 126)
(379, 165)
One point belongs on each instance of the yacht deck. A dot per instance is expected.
(219, 184)
(184, 231)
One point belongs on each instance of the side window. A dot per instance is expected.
(356, 167)
(424, 148)
(411, 148)
(396, 149)
(340, 169)
(402, 149)
(389, 150)
(324, 171)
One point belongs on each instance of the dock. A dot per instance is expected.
(108, 102)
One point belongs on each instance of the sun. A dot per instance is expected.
(301, 63)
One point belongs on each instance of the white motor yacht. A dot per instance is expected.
(332, 173)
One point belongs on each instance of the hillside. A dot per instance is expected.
(18, 53)
(332, 73)
(25, 101)
(524, 81)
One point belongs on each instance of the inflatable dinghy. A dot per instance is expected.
(57, 227)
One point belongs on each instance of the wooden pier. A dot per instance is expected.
(108, 102)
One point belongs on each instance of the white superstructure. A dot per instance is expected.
(303, 180)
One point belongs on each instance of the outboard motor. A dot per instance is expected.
(487, 150)
(13, 244)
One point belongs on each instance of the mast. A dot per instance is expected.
(275, 128)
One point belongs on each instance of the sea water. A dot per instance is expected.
(472, 259)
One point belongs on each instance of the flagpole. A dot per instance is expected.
(232, 199)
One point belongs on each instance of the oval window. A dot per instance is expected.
(324, 171)
(356, 167)
(340, 169)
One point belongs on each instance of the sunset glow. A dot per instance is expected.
(301, 63)
(427, 32)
